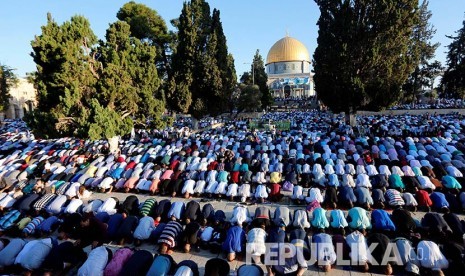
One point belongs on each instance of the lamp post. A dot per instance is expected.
(253, 71)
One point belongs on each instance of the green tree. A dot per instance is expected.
(422, 50)
(225, 62)
(249, 98)
(361, 61)
(212, 86)
(179, 95)
(147, 25)
(104, 88)
(261, 78)
(128, 85)
(7, 80)
(246, 78)
(66, 70)
(432, 71)
(203, 77)
(453, 81)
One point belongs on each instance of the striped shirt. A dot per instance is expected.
(43, 201)
(170, 233)
(147, 207)
(31, 226)
(21, 184)
(63, 188)
(394, 197)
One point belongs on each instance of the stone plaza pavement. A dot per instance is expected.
(203, 256)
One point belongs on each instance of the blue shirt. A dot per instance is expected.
(324, 248)
(382, 221)
(277, 235)
(319, 219)
(144, 158)
(8, 219)
(222, 176)
(346, 194)
(322, 239)
(176, 210)
(337, 219)
(47, 224)
(113, 224)
(358, 219)
(102, 216)
(9, 253)
(235, 239)
(439, 200)
(363, 195)
(160, 266)
(116, 173)
(450, 182)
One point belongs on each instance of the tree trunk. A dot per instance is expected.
(113, 143)
(195, 123)
(350, 119)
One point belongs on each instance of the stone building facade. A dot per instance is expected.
(22, 100)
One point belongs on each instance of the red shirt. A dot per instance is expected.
(275, 189)
(174, 165)
(423, 198)
(212, 165)
(234, 177)
(131, 165)
(175, 175)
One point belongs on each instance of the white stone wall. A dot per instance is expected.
(289, 67)
(23, 99)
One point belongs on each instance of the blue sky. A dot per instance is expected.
(248, 24)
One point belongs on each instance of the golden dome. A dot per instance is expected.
(287, 49)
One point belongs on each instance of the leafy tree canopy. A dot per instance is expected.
(203, 76)
(261, 78)
(148, 26)
(7, 80)
(422, 51)
(453, 81)
(362, 59)
(93, 90)
(249, 98)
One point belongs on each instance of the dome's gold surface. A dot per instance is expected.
(287, 49)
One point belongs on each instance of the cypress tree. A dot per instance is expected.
(453, 81)
(179, 94)
(421, 52)
(225, 63)
(261, 79)
(362, 61)
(203, 75)
(7, 80)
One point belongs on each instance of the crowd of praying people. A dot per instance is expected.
(317, 186)
(439, 103)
